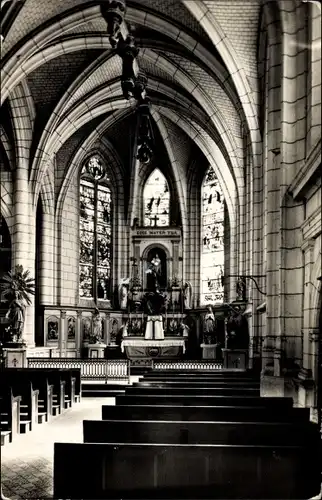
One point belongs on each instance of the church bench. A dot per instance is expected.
(10, 411)
(194, 383)
(211, 391)
(22, 386)
(45, 396)
(202, 380)
(199, 373)
(54, 378)
(146, 471)
(205, 413)
(193, 432)
(138, 399)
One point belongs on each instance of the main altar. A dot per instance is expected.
(155, 297)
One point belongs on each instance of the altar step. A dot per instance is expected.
(101, 390)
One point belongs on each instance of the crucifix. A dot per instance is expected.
(155, 220)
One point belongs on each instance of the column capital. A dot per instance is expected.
(79, 314)
(63, 314)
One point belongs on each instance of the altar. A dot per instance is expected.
(149, 349)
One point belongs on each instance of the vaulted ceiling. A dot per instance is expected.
(201, 61)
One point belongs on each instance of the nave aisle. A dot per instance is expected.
(27, 463)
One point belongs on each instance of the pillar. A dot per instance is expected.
(78, 337)
(46, 248)
(23, 239)
(62, 333)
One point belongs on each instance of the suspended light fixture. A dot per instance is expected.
(113, 12)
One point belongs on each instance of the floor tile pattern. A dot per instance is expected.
(27, 463)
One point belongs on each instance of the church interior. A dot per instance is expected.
(160, 249)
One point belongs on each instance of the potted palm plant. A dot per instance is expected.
(17, 287)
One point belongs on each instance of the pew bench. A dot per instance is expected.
(205, 413)
(146, 471)
(193, 432)
(22, 386)
(10, 412)
(195, 383)
(193, 391)
(186, 400)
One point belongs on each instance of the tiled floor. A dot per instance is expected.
(27, 463)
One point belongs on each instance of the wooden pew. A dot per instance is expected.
(40, 383)
(211, 391)
(54, 378)
(146, 471)
(197, 400)
(195, 383)
(205, 413)
(22, 386)
(180, 432)
(10, 411)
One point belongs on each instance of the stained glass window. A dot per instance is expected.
(212, 256)
(95, 232)
(156, 200)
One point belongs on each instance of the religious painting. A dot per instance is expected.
(95, 227)
(156, 200)
(71, 324)
(52, 328)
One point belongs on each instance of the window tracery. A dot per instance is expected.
(212, 255)
(95, 231)
(156, 197)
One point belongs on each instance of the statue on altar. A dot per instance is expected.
(123, 293)
(16, 316)
(209, 327)
(237, 329)
(155, 301)
(187, 295)
(96, 336)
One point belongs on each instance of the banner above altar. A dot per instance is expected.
(141, 348)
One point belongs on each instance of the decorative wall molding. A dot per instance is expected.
(311, 228)
(308, 170)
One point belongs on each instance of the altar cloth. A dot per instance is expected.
(142, 345)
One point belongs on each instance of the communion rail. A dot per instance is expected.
(188, 365)
(91, 369)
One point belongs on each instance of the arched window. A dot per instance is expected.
(95, 226)
(156, 198)
(212, 228)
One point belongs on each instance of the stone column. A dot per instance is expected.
(308, 261)
(62, 333)
(175, 255)
(23, 239)
(78, 333)
(46, 248)
(107, 338)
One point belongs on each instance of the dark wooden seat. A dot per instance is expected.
(197, 400)
(205, 413)
(180, 432)
(211, 391)
(22, 386)
(196, 383)
(146, 471)
(39, 382)
(10, 411)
